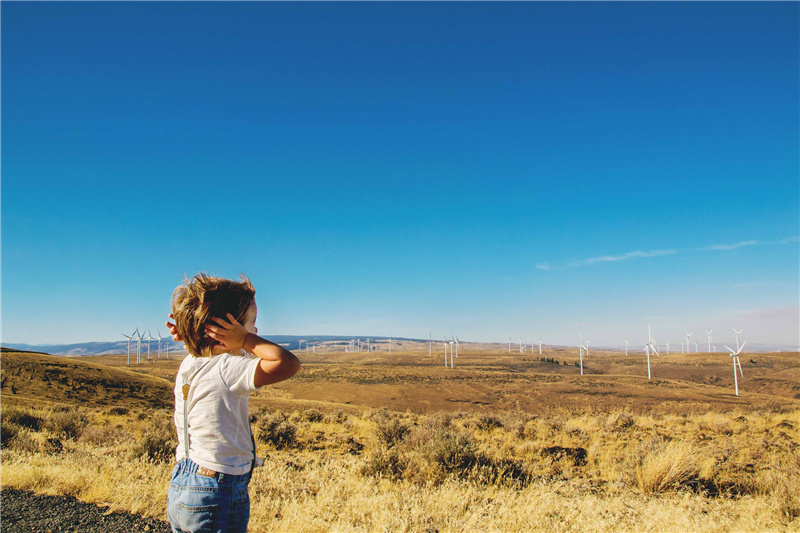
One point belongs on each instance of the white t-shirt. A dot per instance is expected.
(219, 424)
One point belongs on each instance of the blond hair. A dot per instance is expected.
(195, 302)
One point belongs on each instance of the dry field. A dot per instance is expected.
(367, 442)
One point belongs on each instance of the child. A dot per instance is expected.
(216, 319)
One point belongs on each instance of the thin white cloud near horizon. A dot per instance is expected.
(637, 254)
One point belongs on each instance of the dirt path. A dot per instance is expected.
(23, 511)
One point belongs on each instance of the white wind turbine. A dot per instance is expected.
(430, 344)
(687, 340)
(540, 346)
(129, 347)
(626, 347)
(160, 338)
(390, 344)
(736, 361)
(457, 345)
(709, 338)
(737, 336)
(521, 348)
(149, 340)
(445, 352)
(650, 346)
(138, 346)
(452, 343)
(667, 347)
(583, 346)
(509, 345)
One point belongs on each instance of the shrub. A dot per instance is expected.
(119, 411)
(391, 431)
(22, 418)
(488, 422)
(8, 432)
(385, 463)
(273, 428)
(158, 441)
(449, 450)
(312, 415)
(105, 436)
(336, 417)
(66, 424)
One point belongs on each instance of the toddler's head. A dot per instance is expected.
(195, 302)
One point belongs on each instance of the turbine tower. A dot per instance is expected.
(149, 340)
(709, 339)
(540, 346)
(138, 346)
(650, 346)
(129, 347)
(687, 340)
(736, 361)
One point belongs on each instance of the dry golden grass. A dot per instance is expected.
(501, 443)
(450, 471)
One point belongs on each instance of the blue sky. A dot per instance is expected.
(491, 169)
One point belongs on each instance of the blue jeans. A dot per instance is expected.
(196, 503)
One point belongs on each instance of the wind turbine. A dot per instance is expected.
(583, 346)
(430, 344)
(540, 346)
(138, 346)
(648, 347)
(509, 345)
(521, 349)
(457, 346)
(736, 361)
(626, 347)
(390, 344)
(149, 340)
(709, 338)
(129, 347)
(687, 340)
(737, 337)
(452, 343)
(667, 347)
(159, 343)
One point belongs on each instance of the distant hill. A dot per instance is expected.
(292, 342)
(296, 342)
(28, 378)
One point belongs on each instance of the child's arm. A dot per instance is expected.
(277, 363)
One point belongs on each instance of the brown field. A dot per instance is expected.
(365, 442)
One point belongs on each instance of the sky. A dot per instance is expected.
(492, 170)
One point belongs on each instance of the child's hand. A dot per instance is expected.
(230, 335)
(173, 330)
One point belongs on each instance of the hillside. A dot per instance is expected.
(488, 381)
(34, 378)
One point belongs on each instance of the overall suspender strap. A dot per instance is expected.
(185, 389)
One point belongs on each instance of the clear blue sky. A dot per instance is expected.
(491, 169)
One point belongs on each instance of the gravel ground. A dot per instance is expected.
(23, 511)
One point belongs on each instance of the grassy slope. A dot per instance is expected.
(31, 378)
